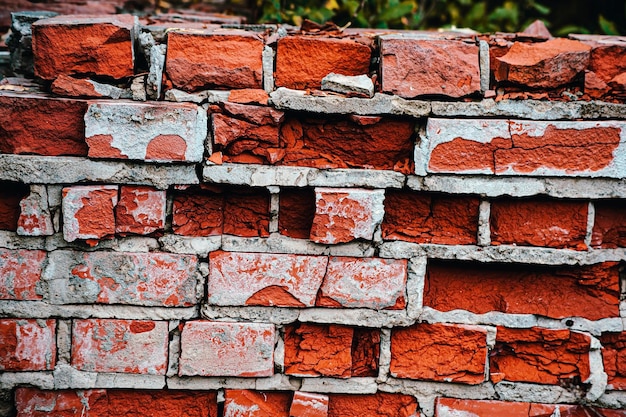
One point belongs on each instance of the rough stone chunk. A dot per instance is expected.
(547, 64)
(247, 403)
(430, 218)
(35, 124)
(439, 352)
(609, 227)
(302, 61)
(149, 279)
(162, 132)
(20, 272)
(239, 278)
(364, 282)
(345, 214)
(351, 85)
(33, 402)
(140, 210)
(35, 218)
(236, 59)
(27, 345)
(591, 291)
(417, 67)
(372, 405)
(126, 346)
(539, 222)
(539, 355)
(227, 349)
(74, 44)
(614, 358)
(88, 211)
(307, 404)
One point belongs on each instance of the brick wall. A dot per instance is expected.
(193, 223)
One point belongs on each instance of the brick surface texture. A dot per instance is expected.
(193, 223)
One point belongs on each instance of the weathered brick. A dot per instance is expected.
(539, 222)
(609, 228)
(20, 273)
(341, 142)
(159, 132)
(35, 218)
(590, 291)
(247, 403)
(614, 359)
(430, 218)
(543, 64)
(40, 125)
(126, 346)
(539, 355)
(372, 405)
(240, 278)
(302, 61)
(88, 211)
(514, 147)
(249, 96)
(148, 279)
(296, 212)
(365, 352)
(212, 210)
(400, 56)
(452, 407)
(11, 194)
(32, 402)
(318, 350)
(364, 282)
(227, 349)
(27, 345)
(236, 59)
(607, 62)
(345, 214)
(439, 352)
(307, 404)
(86, 45)
(140, 210)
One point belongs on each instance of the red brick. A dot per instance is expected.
(140, 210)
(32, 402)
(539, 222)
(148, 279)
(609, 228)
(296, 212)
(318, 350)
(543, 64)
(126, 346)
(439, 352)
(20, 272)
(246, 211)
(227, 349)
(10, 196)
(98, 45)
(365, 352)
(375, 283)
(614, 358)
(35, 218)
(241, 278)
(332, 143)
(302, 61)
(249, 96)
(591, 291)
(27, 344)
(507, 147)
(306, 404)
(437, 76)
(607, 62)
(372, 405)
(430, 218)
(88, 211)
(539, 355)
(346, 214)
(246, 403)
(236, 59)
(452, 407)
(35, 124)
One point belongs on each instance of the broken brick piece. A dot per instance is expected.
(543, 356)
(140, 210)
(126, 346)
(307, 404)
(198, 212)
(75, 44)
(88, 211)
(27, 344)
(439, 352)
